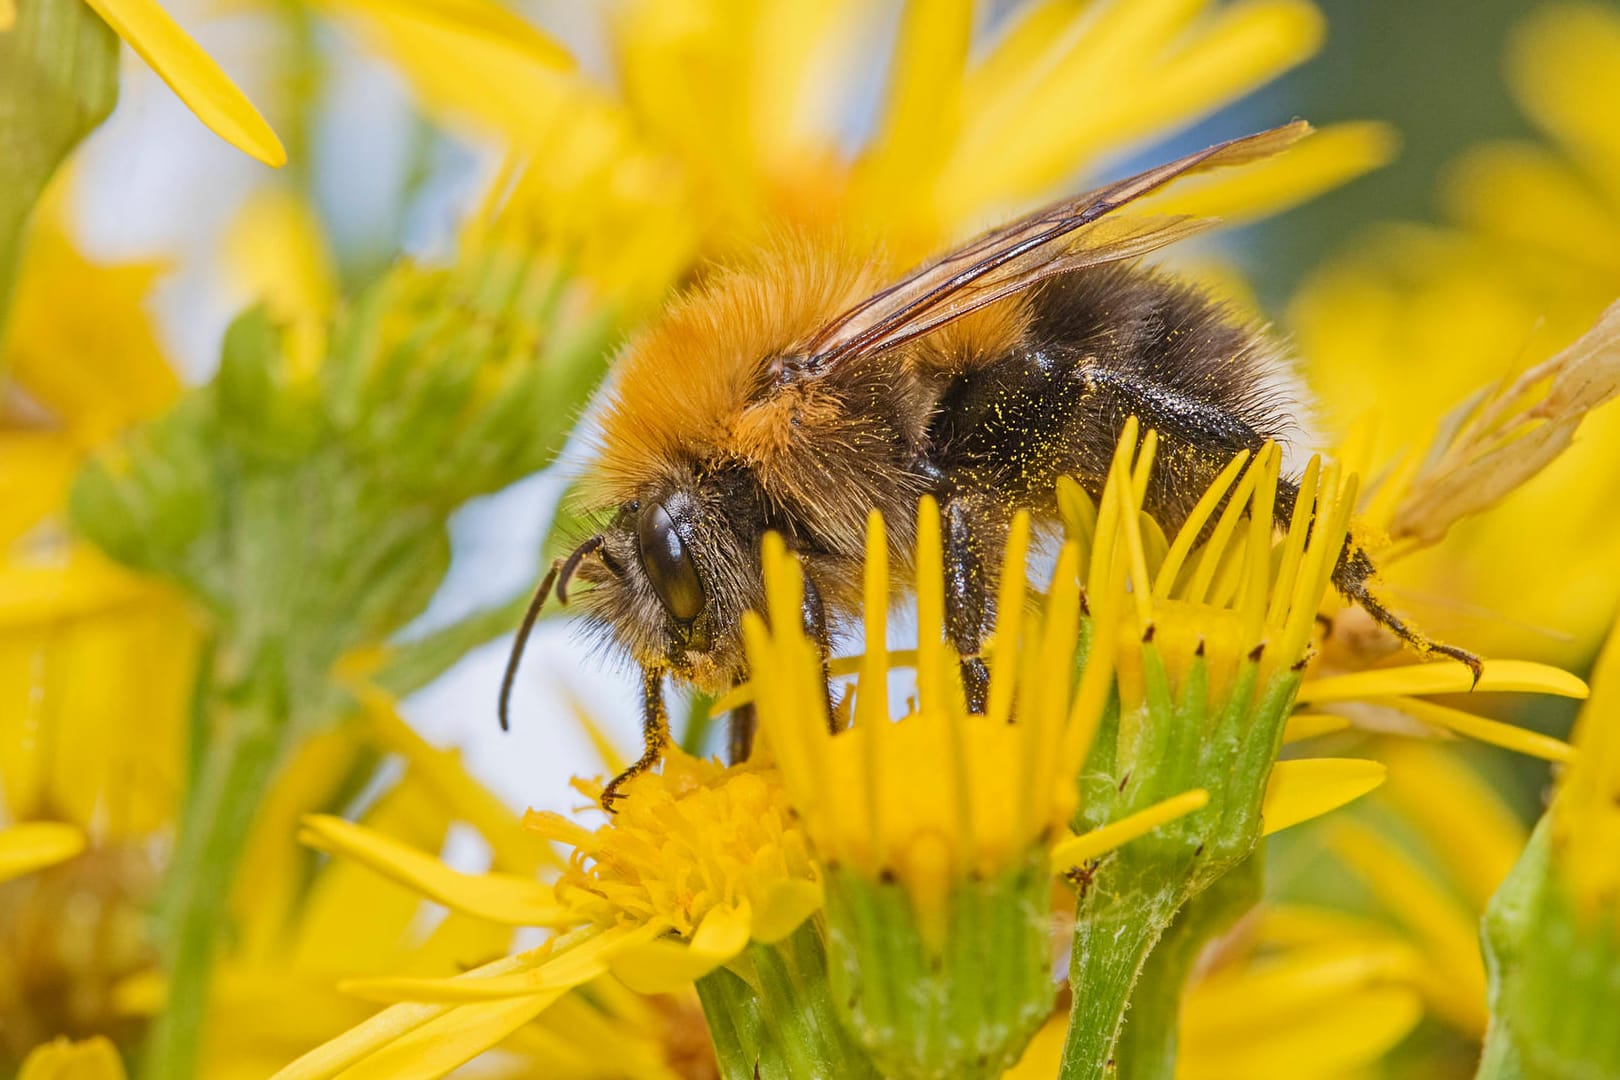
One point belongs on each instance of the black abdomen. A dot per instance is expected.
(1104, 345)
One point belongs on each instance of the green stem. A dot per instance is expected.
(1115, 932)
(1500, 1059)
(236, 768)
(1148, 1044)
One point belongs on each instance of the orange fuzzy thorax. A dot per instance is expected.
(682, 389)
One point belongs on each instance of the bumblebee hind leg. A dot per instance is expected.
(1352, 576)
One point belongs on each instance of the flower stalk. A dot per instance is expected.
(234, 773)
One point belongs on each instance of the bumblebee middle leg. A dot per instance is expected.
(974, 538)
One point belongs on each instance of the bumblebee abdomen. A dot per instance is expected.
(1101, 346)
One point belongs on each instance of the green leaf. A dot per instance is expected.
(58, 80)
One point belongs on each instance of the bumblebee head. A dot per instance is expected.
(671, 572)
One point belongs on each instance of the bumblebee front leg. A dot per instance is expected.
(974, 529)
(654, 736)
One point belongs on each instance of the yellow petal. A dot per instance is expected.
(98, 367)
(1525, 194)
(37, 844)
(1443, 677)
(448, 1041)
(1562, 68)
(1078, 849)
(1301, 790)
(471, 59)
(1333, 156)
(335, 1055)
(94, 1059)
(1353, 1031)
(351, 918)
(502, 898)
(1303, 726)
(664, 967)
(192, 74)
(578, 958)
(1472, 829)
(784, 906)
(1494, 732)
(1252, 1001)
(8, 15)
(515, 849)
(1453, 977)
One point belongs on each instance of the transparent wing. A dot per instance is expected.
(1066, 236)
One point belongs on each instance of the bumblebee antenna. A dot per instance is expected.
(562, 570)
(571, 564)
(515, 657)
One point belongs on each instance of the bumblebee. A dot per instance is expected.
(802, 389)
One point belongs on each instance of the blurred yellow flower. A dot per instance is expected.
(1415, 319)
(300, 927)
(1586, 808)
(80, 639)
(722, 123)
(63, 1059)
(32, 845)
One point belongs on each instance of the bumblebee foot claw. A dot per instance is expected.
(1463, 656)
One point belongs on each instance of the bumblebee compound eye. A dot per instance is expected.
(668, 564)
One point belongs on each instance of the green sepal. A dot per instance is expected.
(961, 1003)
(259, 411)
(770, 1013)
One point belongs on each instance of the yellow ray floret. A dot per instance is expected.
(193, 75)
(35, 845)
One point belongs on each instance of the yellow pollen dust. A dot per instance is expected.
(685, 840)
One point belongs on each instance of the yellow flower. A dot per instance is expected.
(301, 930)
(699, 861)
(69, 934)
(940, 831)
(942, 796)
